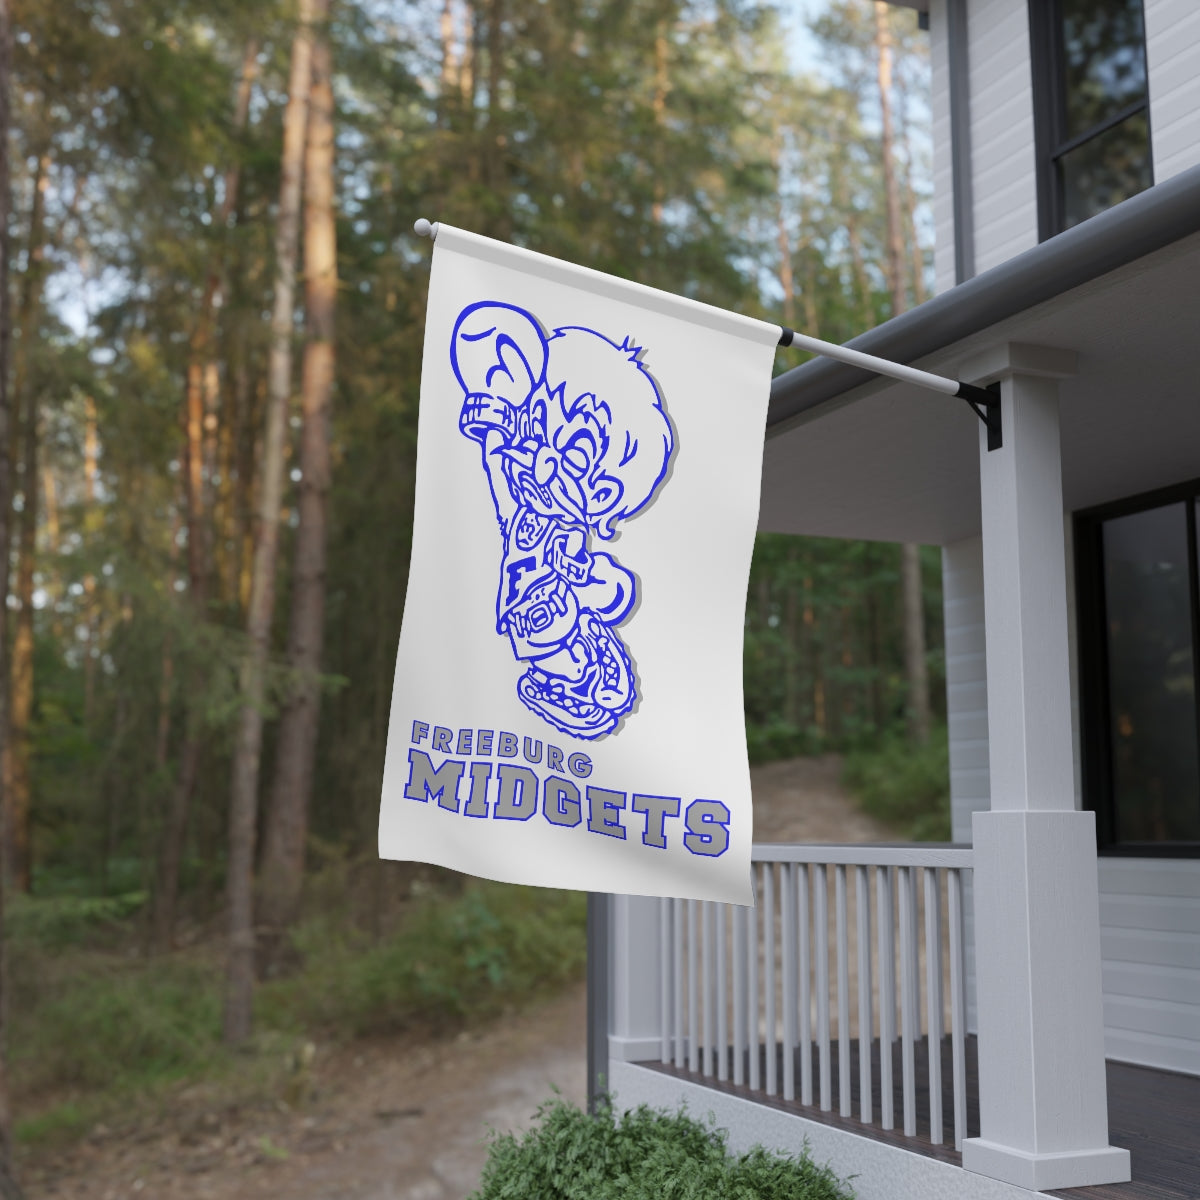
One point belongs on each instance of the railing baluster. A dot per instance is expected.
(768, 906)
(707, 985)
(752, 945)
(739, 993)
(845, 1107)
(958, 1007)
(933, 998)
(887, 992)
(908, 954)
(804, 895)
(787, 903)
(914, 893)
(677, 907)
(722, 912)
(664, 976)
(693, 988)
(866, 1022)
(821, 921)
(772, 963)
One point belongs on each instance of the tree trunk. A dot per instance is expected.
(791, 679)
(914, 644)
(916, 256)
(449, 94)
(91, 456)
(239, 983)
(895, 235)
(9, 1189)
(287, 815)
(914, 614)
(787, 280)
(662, 85)
(495, 146)
(170, 855)
(25, 399)
(466, 73)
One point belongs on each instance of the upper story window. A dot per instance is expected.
(1091, 106)
(1139, 626)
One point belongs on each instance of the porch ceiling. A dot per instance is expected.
(887, 462)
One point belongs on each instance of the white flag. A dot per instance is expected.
(567, 708)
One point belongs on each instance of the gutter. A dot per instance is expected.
(1144, 223)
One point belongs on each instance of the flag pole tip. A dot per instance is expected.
(424, 228)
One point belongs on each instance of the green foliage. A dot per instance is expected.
(824, 658)
(113, 1026)
(451, 960)
(108, 1026)
(58, 922)
(645, 1155)
(62, 1123)
(905, 785)
(667, 141)
(777, 738)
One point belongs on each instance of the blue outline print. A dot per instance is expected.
(574, 440)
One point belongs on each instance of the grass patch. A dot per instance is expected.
(452, 960)
(904, 785)
(96, 1030)
(59, 922)
(63, 1123)
(646, 1155)
(778, 739)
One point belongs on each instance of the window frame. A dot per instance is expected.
(1049, 113)
(1095, 728)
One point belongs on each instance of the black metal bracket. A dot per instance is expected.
(985, 404)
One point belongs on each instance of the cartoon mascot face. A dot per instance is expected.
(575, 440)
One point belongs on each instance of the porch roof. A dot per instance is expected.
(853, 455)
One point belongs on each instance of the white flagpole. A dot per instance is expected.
(984, 403)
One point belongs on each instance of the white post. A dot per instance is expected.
(1043, 1101)
(635, 1031)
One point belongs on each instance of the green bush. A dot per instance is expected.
(779, 739)
(647, 1155)
(59, 921)
(452, 959)
(905, 785)
(107, 1026)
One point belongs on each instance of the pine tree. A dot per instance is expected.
(287, 813)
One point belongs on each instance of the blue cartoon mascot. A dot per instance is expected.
(574, 441)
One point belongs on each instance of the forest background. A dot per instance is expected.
(210, 357)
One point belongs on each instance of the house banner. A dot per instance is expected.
(567, 708)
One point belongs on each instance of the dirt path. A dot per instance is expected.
(403, 1120)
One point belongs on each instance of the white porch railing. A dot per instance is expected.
(746, 994)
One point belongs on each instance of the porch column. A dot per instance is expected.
(1042, 1094)
(635, 1023)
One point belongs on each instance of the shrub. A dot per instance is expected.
(647, 1155)
(110, 1028)
(905, 785)
(778, 739)
(56, 922)
(452, 959)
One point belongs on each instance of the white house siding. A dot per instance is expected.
(943, 176)
(966, 706)
(1149, 908)
(1004, 172)
(1172, 52)
(1150, 942)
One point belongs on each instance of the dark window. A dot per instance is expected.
(1092, 116)
(1139, 650)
